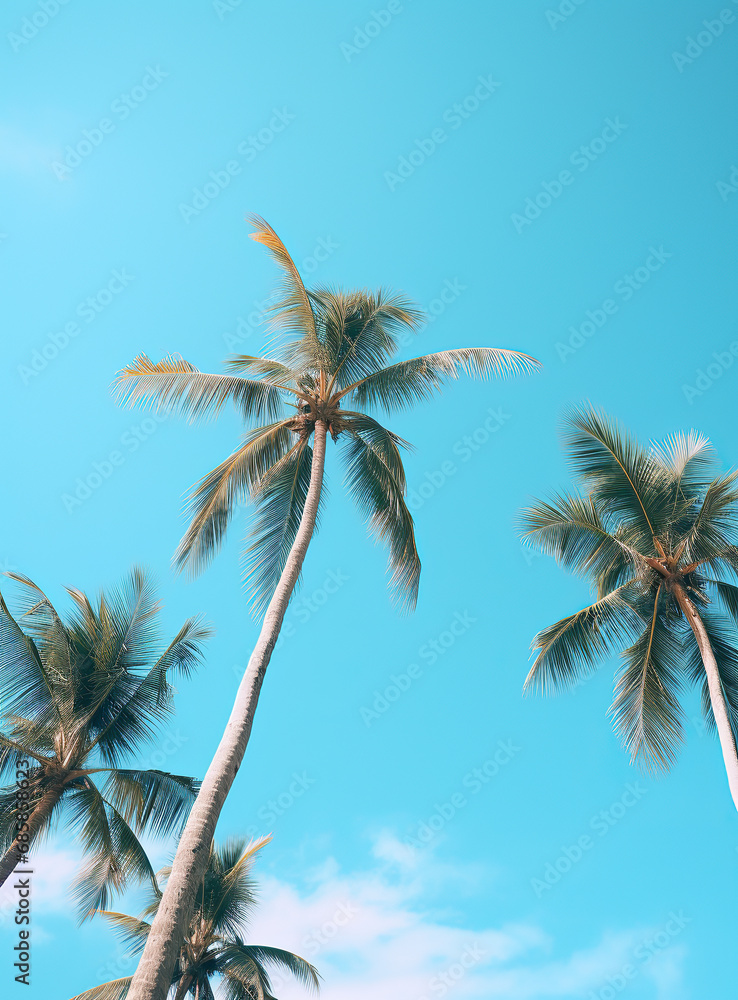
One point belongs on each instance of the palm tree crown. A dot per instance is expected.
(654, 531)
(214, 947)
(78, 696)
(331, 351)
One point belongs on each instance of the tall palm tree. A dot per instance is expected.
(330, 348)
(655, 533)
(213, 948)
(79, 695)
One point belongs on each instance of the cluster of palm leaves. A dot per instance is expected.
(213, 949)
(80, 695)
(652, 529)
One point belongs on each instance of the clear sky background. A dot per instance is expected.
(348, 108)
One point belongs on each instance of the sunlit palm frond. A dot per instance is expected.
(710, 536)
(175, 386)
(116, 989)
(213, 501)
(232, 898)
(410, 382)
(293, 313)
(375, 478)
(646, 709)
(570, 649)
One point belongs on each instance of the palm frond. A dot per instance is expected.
(114, 854)
(572, 648)
(132, 931)
(361, 330)
(26, 686)
(621, 476)
(293, 313)
(570, 529)
(116, 989)
(722, 643)
(409, 382)
(709, 537)
(376, 480)
(155, 801)
(285, 961)
(646, 709)
(232, 897)
(215, 497)
(175, 386)
(279, 500)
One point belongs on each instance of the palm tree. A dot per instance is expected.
(213, 947)
(654, 532)
(78, 696)
(331, 349)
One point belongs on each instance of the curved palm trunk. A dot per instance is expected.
(717, 695)
(37, 819)
(153, 976)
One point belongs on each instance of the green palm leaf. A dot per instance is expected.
(156, 801)
(570, 649)
(410, 382)
(279, 501)
(646, 709)
(376, 480)
(213, 501)
(117, 989)
(174, 385)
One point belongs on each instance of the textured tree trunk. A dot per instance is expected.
(717, 695)
(153, 976)
(38, 817)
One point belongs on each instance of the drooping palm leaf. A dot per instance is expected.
(410, 382)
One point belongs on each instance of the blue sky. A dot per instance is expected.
(399, 148)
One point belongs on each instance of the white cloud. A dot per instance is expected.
(379, 932)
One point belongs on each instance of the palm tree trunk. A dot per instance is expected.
(153, 976)
(717, 695)
(42, 811)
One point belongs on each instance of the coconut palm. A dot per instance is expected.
(213, 949)
(331, 350)
(81, 694)
(654, 531)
